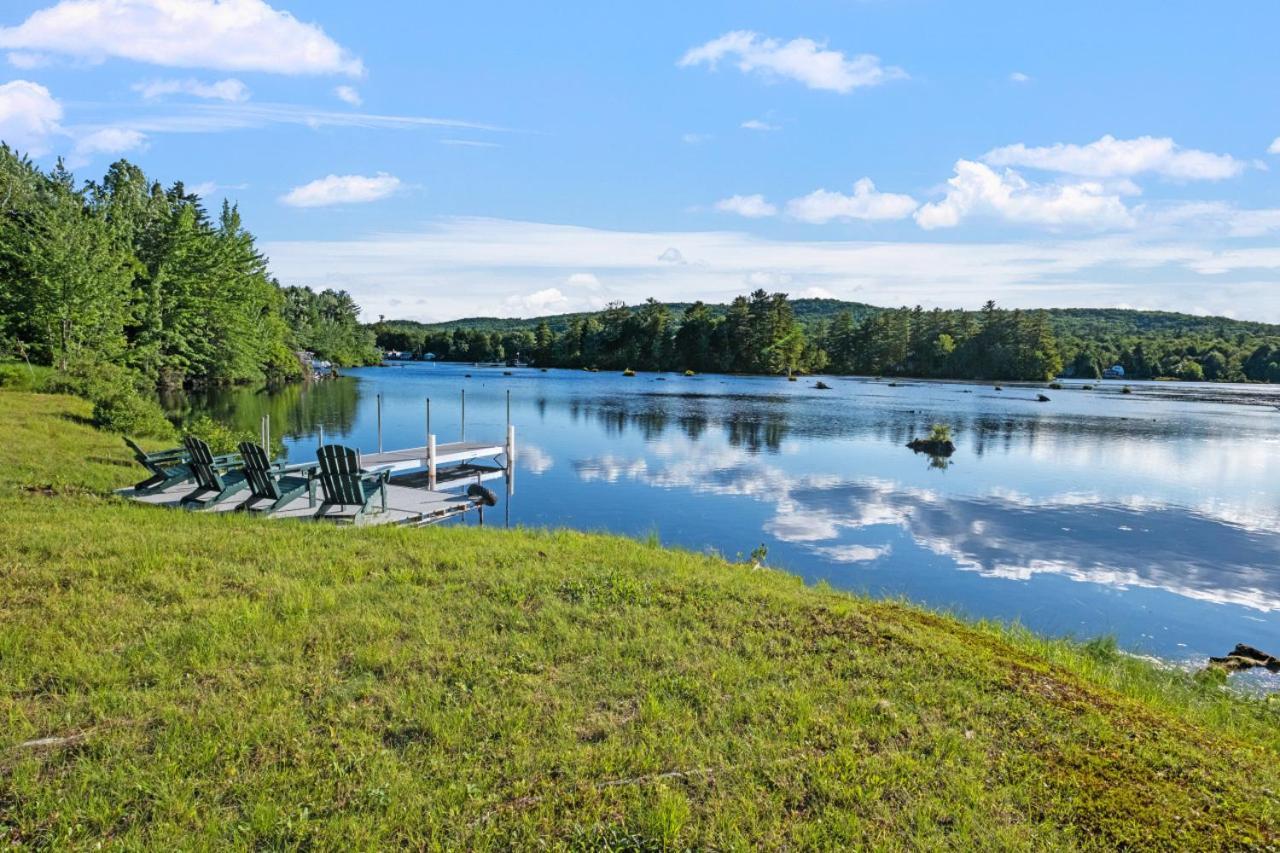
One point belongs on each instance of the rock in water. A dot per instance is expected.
(1042, 398)
(822, 386)
(1246, 657)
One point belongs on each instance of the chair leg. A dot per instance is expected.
(285, 498)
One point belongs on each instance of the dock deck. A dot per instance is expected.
(406, 505)
(413, 458)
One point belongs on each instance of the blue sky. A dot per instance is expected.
(440, 160)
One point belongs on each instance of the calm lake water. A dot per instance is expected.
(1152, 516)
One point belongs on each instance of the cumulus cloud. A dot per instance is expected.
(108, 140)
(1274, 148)
(27, 61)
(801, 59)
(750, 206)
(1109, 157)
(1019, 77)
(978, 190)
(342, 189)
(547, 301)
(235, 35)
(349, 95)
(231, 89)
(866, 202)
(29, 116)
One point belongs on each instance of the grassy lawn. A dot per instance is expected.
(225, 681)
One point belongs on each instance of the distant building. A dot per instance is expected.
(1113, 372)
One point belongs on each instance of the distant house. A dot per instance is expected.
(1113, 372)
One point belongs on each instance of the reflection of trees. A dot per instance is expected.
(296, 410)
(755, 433)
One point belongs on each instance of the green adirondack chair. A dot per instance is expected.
(167, 467)
(215, 479)
(345, 484)
(274, 482)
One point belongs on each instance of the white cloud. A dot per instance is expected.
(978, 190)
(27, 61)
(1274, 148)
(342, 189)
(234, 35)
(757, 124)
(750, 206)
(29, 115)
(1019, 77)
(207, 189)
(672, 255)
(469, 143)
(866, 203)
(349, 94)
(801, 59)
(583, 279)
(695, 138)
(217, 117)
(231, 89)
(108, 140)
(1109, 157)
(547, 301)
(458, 267)
(855, 553)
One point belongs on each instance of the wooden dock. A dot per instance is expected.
(406, 505)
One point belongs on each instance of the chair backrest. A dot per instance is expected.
(139, 454)
(257, 469)
(340, 475)
(201, 463)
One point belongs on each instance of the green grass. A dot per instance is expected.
(226, 681)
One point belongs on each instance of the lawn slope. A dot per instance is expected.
(215, 681)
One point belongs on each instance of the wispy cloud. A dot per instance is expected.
(470, 143)
(759, 124)
(342, 189)
(349, 95)
(231, 89)
(108, 140)
(235, 35)
(1109, 157)
(465, 266)
(1019, 77)
(805, 60)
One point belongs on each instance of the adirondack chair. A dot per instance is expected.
(167, 467)
(345, 484)
(276, 483)
(212, 473)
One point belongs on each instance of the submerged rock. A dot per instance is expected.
(1042, 398)
(822, 386)
(1246, 657)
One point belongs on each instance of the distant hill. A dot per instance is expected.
(1070, 322)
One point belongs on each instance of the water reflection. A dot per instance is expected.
(296, 410)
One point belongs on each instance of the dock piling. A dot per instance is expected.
(379, 421)
(431, 462)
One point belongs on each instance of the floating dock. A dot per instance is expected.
(406, 506)
(418, 488)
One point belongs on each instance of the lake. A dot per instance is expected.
(1152, 516)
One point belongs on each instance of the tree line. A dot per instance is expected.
(759, 333)
(127, 272)
(770, 333)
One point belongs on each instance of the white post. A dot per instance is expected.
(321, 444)
(463, 436)
(266, 439)
(431, 462)
(262, 431)
(511, 460)
(379, 421)
(428, 433)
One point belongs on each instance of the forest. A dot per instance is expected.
(770, 333)
(125, 286)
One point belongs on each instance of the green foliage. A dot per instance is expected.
(940, 433)
(852, 337)
(126, 271)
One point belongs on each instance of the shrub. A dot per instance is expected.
(124, 410)
(940, 433)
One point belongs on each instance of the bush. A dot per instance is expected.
(220, 437)
(126, 411)
(940, 433)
